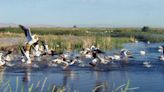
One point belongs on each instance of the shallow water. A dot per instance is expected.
(84, 79)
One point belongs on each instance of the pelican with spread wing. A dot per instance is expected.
(31, 39)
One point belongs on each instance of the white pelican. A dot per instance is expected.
(97, 58)
(148, 42)
(77, 60)
(136, 41)
(124, 53)
(31, 39)
(36, 50)
(45, 46)
(88, 55)
(5, 59)
(115, 57)
(46, 50)
(93, 48)
(64, 59)
(26, 55)
(7, 56)
(94, 62)
(60, 61)
(161, 50)
(2, 62)
(103, 60)
(161, 57)
(86, 52)
(143, 52)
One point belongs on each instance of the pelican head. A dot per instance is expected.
(35, 38)
(93, 47)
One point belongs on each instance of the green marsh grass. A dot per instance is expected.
(75, 38)
(6, 87)
(69, 42)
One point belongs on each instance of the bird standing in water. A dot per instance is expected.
(161, 50)
(2, 62)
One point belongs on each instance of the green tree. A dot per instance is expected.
(145, 29)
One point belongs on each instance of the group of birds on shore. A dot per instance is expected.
(32, 49)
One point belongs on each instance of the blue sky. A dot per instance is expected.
(118, 13)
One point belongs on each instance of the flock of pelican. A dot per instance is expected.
(33, 49)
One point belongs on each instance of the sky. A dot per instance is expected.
(117, 13)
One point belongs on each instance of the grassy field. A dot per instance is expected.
(75, 38)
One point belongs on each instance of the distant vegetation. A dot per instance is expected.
(145, 33)
(70, 38)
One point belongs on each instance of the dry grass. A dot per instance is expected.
(9, 34)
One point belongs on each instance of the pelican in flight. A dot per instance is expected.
(31, 39)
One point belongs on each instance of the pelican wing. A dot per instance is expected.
(27, 32)
(23, 52)
(8, 53)
(43, 44)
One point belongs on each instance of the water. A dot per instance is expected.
(85, 79)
